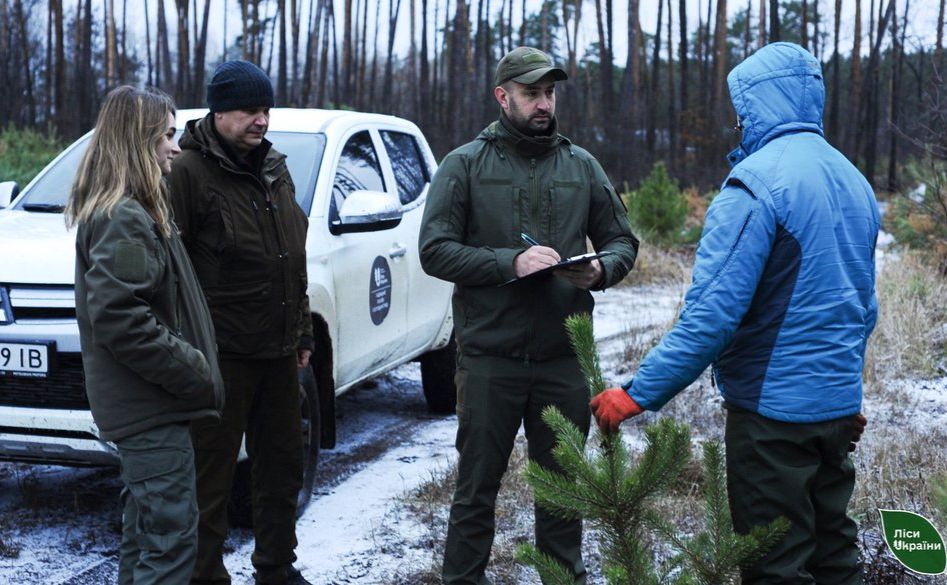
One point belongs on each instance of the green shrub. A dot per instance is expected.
(24, 152)
(918, 217)
(658, 208)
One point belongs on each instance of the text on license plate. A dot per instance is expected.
(24, 358)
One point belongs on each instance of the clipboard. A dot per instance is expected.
(571, 261)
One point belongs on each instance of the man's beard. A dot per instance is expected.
(523, 125)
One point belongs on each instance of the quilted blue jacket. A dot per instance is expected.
(783, 297)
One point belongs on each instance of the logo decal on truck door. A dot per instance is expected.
(379, 290)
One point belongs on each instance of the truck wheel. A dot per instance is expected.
(240, 508)
(437, 378)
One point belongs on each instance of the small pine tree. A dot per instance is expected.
(657, 209)
(604, 487)
(713, 556)
(611, 493)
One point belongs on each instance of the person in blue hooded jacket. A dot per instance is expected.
(782, 304)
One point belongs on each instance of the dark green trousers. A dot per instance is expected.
(263, 402)
(801, 471)
(159, 507)
(494, 396)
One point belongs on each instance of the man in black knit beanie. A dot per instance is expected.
(234, 203)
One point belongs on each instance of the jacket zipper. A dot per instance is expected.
(534, 226)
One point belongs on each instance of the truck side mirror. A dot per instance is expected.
(368, 211)
(8, 192)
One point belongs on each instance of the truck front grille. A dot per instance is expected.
(64, 388)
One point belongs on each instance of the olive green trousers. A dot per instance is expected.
(263, 403)
(494, 397)
(159, 507)
(801, 471)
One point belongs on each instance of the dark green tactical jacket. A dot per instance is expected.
(247, 239)
(148, 347)
(483, 196)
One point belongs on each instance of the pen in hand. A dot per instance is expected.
(529, 240)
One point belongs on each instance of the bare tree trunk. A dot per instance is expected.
(200, 56)
(312, 42)
(852, 135)
(48, 72)
(24, 51)
(509, 27)
(895, 101)
(86, 85)
(368, 97)
(414, 96)
(123, 55)
(272, 33)
(375, 62)
(836, 80)
(424, 93)
(182, 87)
(682, 59)
(347, 50)
(746, 31)
(939, 47)
(324, 59)
(111, 50)
(761, 27)
(456, 71)
(245, 29)
(653, 84)
(394, 7)
(336, 84)
(804, 30)
(672, 115)
(282, 85)
(869, 123)
(605, 58)
(544, 26)
(774, 21)
(150, 72)
(719, 107)
(59, 77)
(816, 47)
(294, 14)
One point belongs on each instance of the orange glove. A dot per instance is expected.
(858, 429)
(613, 406)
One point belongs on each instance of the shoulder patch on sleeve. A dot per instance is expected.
(131, 261)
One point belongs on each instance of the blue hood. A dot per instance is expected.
(776, 90)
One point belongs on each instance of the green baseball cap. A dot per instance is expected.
(527, 65)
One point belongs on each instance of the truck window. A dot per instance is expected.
(409, 166)
(358, 170)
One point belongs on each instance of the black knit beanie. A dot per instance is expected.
(239, 85)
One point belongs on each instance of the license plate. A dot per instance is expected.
(25, 359)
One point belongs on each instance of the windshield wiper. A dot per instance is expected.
(44, 207)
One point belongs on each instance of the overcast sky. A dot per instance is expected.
(922, 20)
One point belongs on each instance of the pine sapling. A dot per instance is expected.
(603, 486)
(715, 555)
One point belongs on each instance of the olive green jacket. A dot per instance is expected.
(147, 339)
(488, 192)
(247, 239)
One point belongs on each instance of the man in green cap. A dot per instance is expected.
(516, 200)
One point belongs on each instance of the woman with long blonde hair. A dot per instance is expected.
(148, 344)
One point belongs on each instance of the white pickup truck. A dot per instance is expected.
(361, 178)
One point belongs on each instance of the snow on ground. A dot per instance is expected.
(341, 533)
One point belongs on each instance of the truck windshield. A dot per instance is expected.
(303, 155)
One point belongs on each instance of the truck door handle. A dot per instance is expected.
(397, 251)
